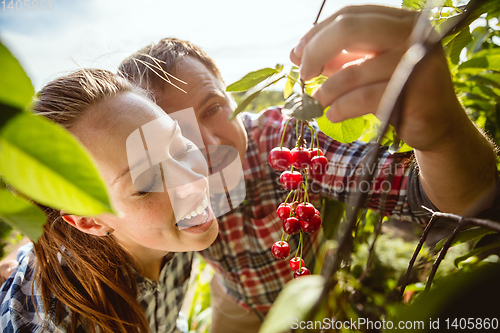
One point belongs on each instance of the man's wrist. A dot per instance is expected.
(459, 169)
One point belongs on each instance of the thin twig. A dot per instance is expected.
(442, 253)
(319, 13)
(470, 220)
(428, 228)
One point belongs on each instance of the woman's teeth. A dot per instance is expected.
(197, 211)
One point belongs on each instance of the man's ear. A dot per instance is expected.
(87, 225)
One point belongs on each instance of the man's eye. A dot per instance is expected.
(213, 110)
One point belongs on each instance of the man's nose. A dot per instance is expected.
(210, 137)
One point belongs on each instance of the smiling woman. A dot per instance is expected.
(113, 273)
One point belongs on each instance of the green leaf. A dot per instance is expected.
(481, 61)
(346, 131)
(22, 215)
(480, 34)
(475, 252)
(293, 303)
(6, 113)
(420, 4)
(252, 79)
(457, 44)
(303, 107)
(492, 79)
(250, 96)
(290, 81)
(413, 4)
(45, 163)
(314, 84)
(465, 236)
(16, 90)
(485, 6)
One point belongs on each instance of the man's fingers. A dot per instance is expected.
(364, 33)
(366, 9)
(354, 76)
(356, 103)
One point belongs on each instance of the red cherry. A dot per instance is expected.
(291, 180)
(283, 211)
(319, 165)
(300, 158)
(294, 263)
(305, 211)
(280, 158)
(280, 251)
(303, 271)
(291, 225)
(314, 152)
(311, 226)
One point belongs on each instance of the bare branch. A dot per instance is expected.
(428, 228)
(442, 253)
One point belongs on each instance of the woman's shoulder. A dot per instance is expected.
(21, 307)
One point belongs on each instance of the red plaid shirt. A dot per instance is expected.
(241, 254)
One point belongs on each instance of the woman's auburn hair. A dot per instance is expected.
(88, 274)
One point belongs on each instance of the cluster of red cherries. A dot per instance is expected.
(299, 215)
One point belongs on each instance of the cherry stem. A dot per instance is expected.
(301, 140)
(298, 246)
(301, 244)
(283, 135)
(282, 235)
(306, 195)
(312, 136)
(287, 238)
(288, 196)
(297, 143)
(313, 131)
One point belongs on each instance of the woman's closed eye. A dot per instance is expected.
(150, 187)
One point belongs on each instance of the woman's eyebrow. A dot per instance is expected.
(140, 162)
(127, 170)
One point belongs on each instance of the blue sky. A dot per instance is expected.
(240, 35)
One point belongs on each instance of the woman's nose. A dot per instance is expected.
(181, 181)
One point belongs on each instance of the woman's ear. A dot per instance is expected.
(87, 225)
